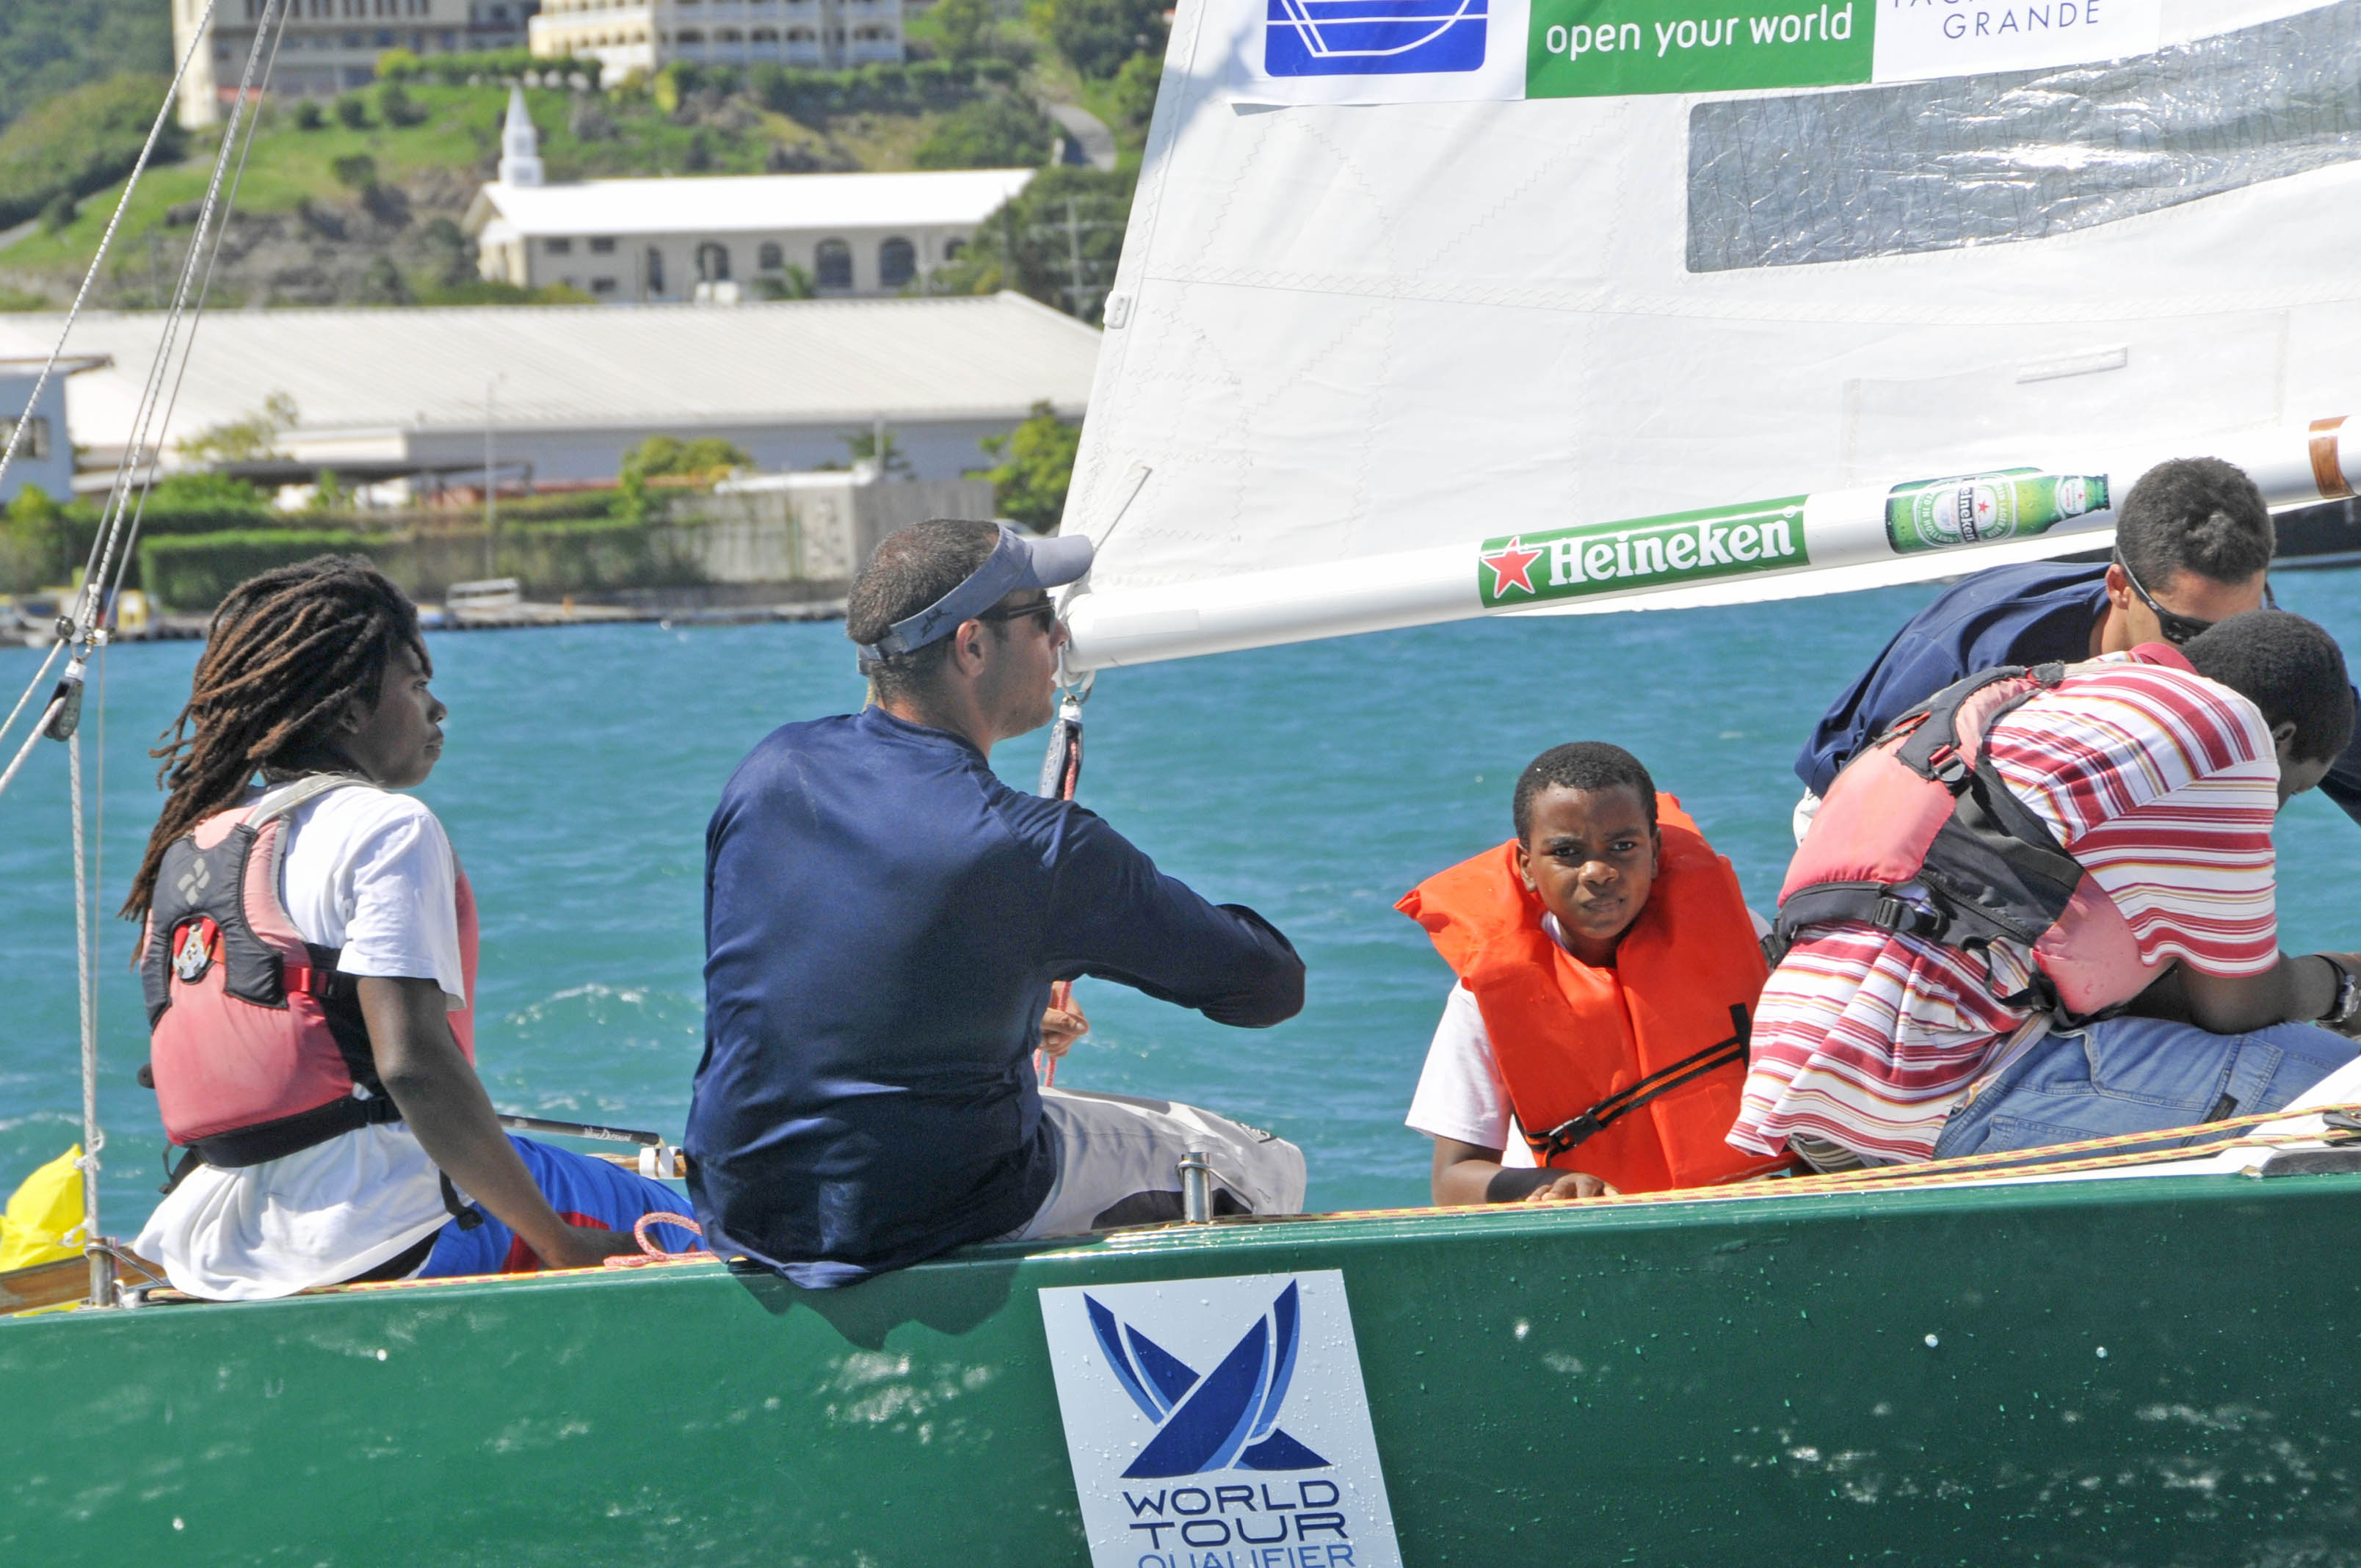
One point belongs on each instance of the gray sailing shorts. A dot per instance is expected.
(1119, 1164)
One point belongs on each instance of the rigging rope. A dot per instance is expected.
(197, 37)
(1062, 772)
(154, 416)
(82, 626)
(94, 1137)
(49, 717)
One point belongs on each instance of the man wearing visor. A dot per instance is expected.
(2193, 543)
(884, 919)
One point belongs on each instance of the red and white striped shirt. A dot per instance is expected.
(2161, 783)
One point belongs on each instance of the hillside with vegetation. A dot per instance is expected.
(358, 200)
(49, 46)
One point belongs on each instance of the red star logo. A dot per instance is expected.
(1511, 563)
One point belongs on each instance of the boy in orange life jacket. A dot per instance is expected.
(1607, 967)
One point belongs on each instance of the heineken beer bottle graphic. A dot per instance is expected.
(1975, 509)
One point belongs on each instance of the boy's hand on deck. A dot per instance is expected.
(587, 1247)
(1572, 1188)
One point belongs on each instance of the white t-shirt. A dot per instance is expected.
(1461, 1093)
(371, 873)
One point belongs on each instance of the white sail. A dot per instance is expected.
(1408, 279)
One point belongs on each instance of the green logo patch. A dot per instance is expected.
(1590, 49)
(1651, 552)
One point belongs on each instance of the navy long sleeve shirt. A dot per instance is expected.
(2027, 614)
(884, 919)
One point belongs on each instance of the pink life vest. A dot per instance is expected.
(258, 1048)
(1919, 835)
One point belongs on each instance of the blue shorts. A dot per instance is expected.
(584, 1191)
(2141, 1075)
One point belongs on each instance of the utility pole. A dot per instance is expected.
(491, 485)
(1073, 257)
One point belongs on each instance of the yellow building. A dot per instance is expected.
(643, 35)
(329, 44)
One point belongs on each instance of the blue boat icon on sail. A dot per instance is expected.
(1227, 1419)
(1373, 37)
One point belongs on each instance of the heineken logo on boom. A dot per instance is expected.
(1651, 552)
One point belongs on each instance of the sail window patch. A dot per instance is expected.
(2009, 156)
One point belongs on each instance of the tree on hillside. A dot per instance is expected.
(1037, 464)
(1135, 89)
(1058, 242)
(703, 457)
(242, 440)
(970, 29)
(80, 142)
(999, 132)
(862, 447)
(1098, 36)
(50, 46)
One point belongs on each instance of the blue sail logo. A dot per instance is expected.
(1225, 1419)
(1373, 37)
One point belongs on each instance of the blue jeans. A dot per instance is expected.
(2141, 1075)
(584, 1191)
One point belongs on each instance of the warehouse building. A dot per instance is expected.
(560, 392)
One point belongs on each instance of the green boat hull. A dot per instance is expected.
(2140, 1372)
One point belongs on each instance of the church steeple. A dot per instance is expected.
(520, 145)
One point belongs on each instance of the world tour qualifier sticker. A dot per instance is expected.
(1219, 1423)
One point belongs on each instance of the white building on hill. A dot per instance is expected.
(330, 44)
(624, 36)
(566, 389)
(724, 236)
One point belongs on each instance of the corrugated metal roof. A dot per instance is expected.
(739, 204)
(588, 366)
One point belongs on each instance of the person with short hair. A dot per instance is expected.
(1595, 1040)
(884, 919)
(2158, 772)
(311, 1034)
(2194, 542)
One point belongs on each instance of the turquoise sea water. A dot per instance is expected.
(1316, 782)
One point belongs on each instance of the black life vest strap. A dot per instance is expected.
(291, 1135)
(468, 1218)
(1575, 1131)
(1932, 751)
(1990, 869)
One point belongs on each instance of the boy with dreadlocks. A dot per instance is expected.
(309, 965)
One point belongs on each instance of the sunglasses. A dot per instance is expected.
(1046, 612)
(2177, 628)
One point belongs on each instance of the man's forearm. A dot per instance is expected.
(2298, 989)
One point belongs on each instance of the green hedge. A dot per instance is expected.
(497, 65)
(192, 572)
(814, 95)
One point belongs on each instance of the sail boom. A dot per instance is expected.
(1834, 541)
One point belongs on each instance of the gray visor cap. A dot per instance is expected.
(1017, 561)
